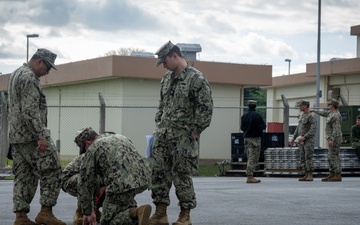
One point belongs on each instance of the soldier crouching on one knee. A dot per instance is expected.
(69, 180)
(125, 172)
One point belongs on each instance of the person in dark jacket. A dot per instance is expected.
(253, 125)
(355, 136)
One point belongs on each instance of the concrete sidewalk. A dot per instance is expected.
(230, 201)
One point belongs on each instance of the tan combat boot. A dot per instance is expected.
(22, 219)
(142, 214)
(46, 216)
(251, 179)
(78, 217)
(332, 174)
(184, 218)
(304, 178)
(160, 216)
(335, 178)
(309, 176)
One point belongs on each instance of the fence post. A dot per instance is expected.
(286, 120)
(4, 143)
(102, 113)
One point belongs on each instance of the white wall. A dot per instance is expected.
(131, 107)
(349, 88)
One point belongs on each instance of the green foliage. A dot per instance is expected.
(258, 95)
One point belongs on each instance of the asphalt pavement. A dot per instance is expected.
(230, 201)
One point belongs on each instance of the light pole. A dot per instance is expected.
(27, 44)
(318, 91)
(288, 60)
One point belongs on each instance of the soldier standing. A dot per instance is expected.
(185, 110)
(125, 173)
(34, 152)
(306, 129)
(334, 137)
(253, 125)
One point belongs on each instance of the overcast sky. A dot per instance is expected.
(237, 31)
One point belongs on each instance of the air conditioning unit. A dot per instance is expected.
(333, 93)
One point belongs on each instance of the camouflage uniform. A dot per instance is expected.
(252, 124)
(355, 138)
(185, 106)
(333, 132)
(125, 173)
(253, 148)
(27, 124)
(70, 174)
(307, 129)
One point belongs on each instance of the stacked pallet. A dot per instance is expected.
(282, 158)
(286, 161)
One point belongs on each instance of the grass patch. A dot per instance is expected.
(8, 162)
(64, 163)
(9, 178)
(207, 170)
(210, 170)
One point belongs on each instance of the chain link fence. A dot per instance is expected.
(136, 121)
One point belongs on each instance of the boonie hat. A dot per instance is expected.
(303, 102)
(333, 102)
(82, 136)
(47, 55)
(163, 52)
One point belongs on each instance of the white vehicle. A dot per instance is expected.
(292, 128)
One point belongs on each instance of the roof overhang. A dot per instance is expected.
(111, 67)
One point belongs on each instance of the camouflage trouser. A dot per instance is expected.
(252, 147)
(116, 208)
(356, 145)
(174, 160)
(334, 156)
(71, 186)
(30, 166)
(306, 149)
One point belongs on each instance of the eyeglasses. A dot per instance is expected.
(48, 66)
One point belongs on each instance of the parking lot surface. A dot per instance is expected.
(230, 201)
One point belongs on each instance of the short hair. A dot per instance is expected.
(358, 117)
(176, 50)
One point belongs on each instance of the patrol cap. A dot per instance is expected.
(84, 135)
(333, 102)
(47, 55)
(163, 52)
(252, 102)
(303, 102)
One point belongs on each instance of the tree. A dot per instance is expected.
(124, 51)
(258, 95)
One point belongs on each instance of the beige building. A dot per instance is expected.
(339, 78)
(130, 87)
